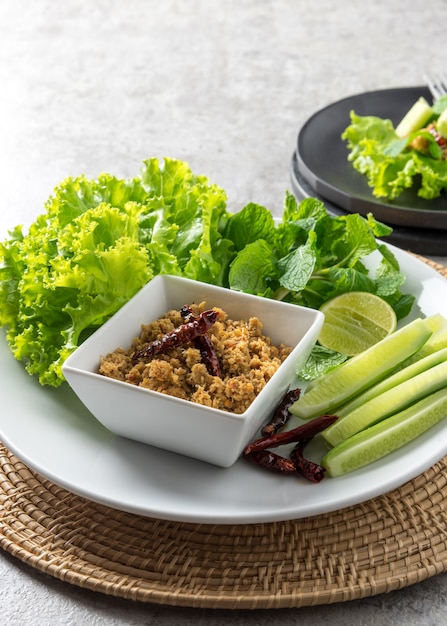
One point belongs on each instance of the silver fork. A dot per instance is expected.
(437, 85)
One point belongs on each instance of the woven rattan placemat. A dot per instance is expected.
(384, 544)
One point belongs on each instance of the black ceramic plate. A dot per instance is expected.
(322, 160)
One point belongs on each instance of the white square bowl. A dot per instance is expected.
(181, 426)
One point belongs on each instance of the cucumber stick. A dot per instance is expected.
(436, 342)
(385, 404)
(339, 385)
(441, 124)
(394, 379)
(416, 118)
(437, 322)
(386, 436)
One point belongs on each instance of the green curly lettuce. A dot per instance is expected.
(389, 162)
(98, 242)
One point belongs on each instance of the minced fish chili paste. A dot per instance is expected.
(248, 359)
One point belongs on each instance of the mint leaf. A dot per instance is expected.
(401, 303)
(253, 269)
(253, 222)
(320, 361)
(297, 267)
(350, 279)
(388, 275)
(309, 208)
(357, 241)
(377, 228)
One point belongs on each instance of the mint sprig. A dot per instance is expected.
(311, 256)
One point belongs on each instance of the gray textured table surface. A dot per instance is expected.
(100, 85)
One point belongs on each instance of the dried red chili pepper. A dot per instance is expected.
(281, 415)
(310, 470)
(304, 432)
(272, 462)
(179, 336)
(203, 344)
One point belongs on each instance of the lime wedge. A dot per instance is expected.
(355, 321)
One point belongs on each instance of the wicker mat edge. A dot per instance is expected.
(381, 545)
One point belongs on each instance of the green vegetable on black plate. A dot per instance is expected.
(394, 161)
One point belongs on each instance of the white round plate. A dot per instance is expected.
(50, 431)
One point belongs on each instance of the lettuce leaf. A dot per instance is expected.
(98, 242)
(388, 162)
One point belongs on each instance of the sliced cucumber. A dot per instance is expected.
(437, 322)
(386, 436)
(395, 399)
(437, 341)
(419, 366)
(416, 118)
(361, 371)
(441, 124)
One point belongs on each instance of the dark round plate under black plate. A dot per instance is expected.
(322, 160)
(419, 240)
